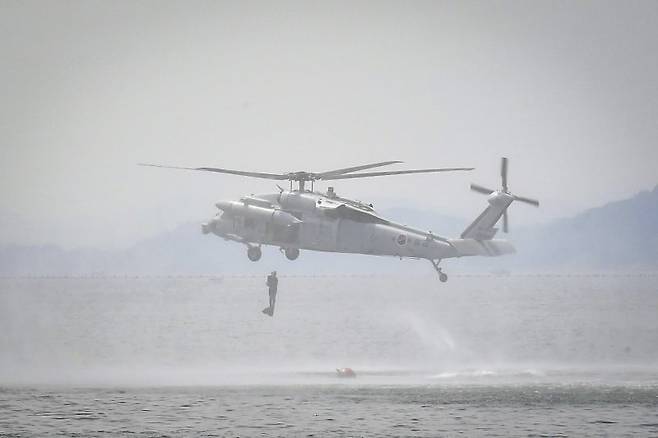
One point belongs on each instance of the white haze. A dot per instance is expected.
(391, 330)
(567, 90)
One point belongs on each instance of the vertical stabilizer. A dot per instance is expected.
(483, 228)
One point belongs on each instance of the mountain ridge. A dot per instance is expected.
(620, 234)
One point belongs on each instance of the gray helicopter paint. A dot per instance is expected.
(312, 221)
(304, 219)
(483, 227)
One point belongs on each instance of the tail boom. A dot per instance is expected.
(488, 248)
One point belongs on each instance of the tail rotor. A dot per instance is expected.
(504, 191)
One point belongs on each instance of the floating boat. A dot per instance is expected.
(345, 372)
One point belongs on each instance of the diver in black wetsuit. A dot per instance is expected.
(272, 284)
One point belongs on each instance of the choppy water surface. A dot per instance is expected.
(506, 356)
(340, 409)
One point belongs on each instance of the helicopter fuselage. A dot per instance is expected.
(294, 220)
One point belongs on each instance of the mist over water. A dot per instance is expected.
(391, 330)
(513, 356)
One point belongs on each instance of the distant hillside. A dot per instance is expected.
(621, 235)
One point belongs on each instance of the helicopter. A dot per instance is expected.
(303, 219)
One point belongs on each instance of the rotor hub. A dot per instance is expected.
(301, 176)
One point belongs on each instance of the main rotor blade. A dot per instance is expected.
(505, 222)
(275, 176)
(527, 200)
(356, 168)
(397, 172)
(503, 172)
(480, 189)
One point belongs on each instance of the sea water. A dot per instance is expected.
(491, 355)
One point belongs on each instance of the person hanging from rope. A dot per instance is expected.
(272, 285)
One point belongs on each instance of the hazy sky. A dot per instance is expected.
(567, 90)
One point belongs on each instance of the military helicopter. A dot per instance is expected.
(300, 218)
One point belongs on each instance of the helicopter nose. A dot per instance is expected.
(223, 205)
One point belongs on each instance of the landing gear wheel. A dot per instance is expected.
(254, 253)
(443, 277)
(292, 253)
